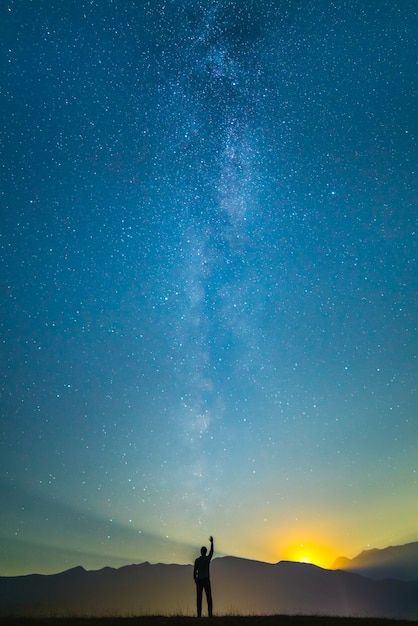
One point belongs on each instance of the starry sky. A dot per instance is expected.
(208, 280)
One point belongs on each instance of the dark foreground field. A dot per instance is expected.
(229, 620)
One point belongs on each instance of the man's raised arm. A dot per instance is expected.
(210, 555)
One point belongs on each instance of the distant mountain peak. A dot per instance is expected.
(73, 571)
(398, 562)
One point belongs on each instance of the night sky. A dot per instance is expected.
(208, 280)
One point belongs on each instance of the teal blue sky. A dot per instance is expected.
(208, 280)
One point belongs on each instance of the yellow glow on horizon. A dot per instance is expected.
(310, 552)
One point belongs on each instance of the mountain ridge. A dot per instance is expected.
(395, 562)
(240, 586)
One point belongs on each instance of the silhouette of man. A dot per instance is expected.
(201, 578)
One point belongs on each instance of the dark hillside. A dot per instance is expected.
(240, 587)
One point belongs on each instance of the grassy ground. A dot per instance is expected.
(229, 620)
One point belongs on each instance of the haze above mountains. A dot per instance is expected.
(240, 586)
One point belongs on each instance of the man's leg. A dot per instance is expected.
(199, 592)
(208, 590)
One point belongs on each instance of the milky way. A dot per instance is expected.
(209, 280)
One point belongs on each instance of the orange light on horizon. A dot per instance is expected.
(310, 552)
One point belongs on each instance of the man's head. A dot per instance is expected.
(203, 551)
